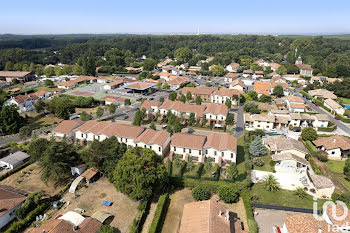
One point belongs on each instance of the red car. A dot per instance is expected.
(337, 118)
(317, 105)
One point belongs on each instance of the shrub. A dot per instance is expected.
(228, 194)
(300, 192)
(322, 156)
(309, 134)
(201, 193)
(253, 226)
(272, 163)
(258, 162)
(256, 148)
(106, 229)
(311, 148)
(347, 168)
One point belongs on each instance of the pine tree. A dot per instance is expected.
(256, 148)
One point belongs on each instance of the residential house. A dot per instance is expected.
(113, 85)
(176, 72)
(203, 92)
(262, 88)
(259, 121)
(229, 77)
(14, 160)
(233, 67)
(296, 104)
(176, 82)
(322, 120)
(10, 199)
(168, 68)
(274, 66)
(114, 100)
(237, 84)
(70, 222)
(158, 141)
(67, 85)
(303, 223)
(140, 87)
(194, 68)
(25, 103)
(280, 144)
(305, 70)
(208, 217)
(43, 94)
(216, 114)
(186, 145)
(222, 148)
(21, 76)
(151, 106)
(220, 96)
(164, 75)
(337, 147)
(104, 80)
(66, 127)
(281, 83)
(258, 74)
(94, 130)
(181, 109)
(334, 106)
(322, 94)
(247, 73)
(262, 63)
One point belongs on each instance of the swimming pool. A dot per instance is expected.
(347, 106)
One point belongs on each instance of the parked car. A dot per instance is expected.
(151, 98)
(317, 105)
(337, 118)
(273, 131)
(164, 126)
(190, 130)
(296, 129)
(126, 117)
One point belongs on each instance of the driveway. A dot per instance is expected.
(239, 122)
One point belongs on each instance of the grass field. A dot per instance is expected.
(282, 198)
(37, 120)
(344, 100)
(335, 166)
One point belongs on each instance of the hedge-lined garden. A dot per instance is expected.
(159, 214)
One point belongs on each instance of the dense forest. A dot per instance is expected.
(328, 56)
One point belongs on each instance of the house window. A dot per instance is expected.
(333, 152)
(267, 127)
(174, 148)
(215, 153)
(222, 154)
(144, 146)
(82, 135)
(200, 152)
(206, 151)
(159, 149)
(126, 140)
(231, 155)
(184, 150)
(189, 151)
(136, 144)
(258, 125)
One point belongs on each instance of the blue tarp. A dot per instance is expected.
(108, 203)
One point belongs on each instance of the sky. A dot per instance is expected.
(175, 17)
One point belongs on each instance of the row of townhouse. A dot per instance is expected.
(222, 148)
(25, 103)
(214, 95)
(215, 114)
(329, 99)
(295, 104)
(283, 119)
(74, 83)
(266, 87)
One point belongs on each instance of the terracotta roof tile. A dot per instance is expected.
(150, 136)
(221, 142)
(188, 140)
(67, 126)
(333, 142)
(216, 109)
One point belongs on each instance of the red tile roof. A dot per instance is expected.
(221, 142)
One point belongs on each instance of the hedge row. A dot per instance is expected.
(311, 148)
(138, 222)
(253, 226)
(213, 186)
(20, 225)
(159, 214)
(15, 170)
(327, 129)
(343, 118)
(305, 94)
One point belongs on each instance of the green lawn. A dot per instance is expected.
(282, 198)
(176, 170)
(345, 182)
(208, 174)
(193, 173)
(266, 166)
(344, 100)
(335, 166)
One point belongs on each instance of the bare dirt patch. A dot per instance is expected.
(28, 179)
(89, 198)
(177, 201)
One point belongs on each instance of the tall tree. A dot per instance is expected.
(278, 91)
(183, 54)
(139, 173)
(10, 120)
(99, 112)
(89, 64)
(256, 148)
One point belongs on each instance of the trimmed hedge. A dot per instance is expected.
(159, 214)
(311, 148)
(213, 186)
(305, 93)
(15, 170)
(137, 223)
(253, 226)
(327, 129)
(343, 119)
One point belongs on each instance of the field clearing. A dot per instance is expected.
(29, 180)
(38, 120)
(89, 198)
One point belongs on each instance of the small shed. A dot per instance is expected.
(75, 184)
(91, 175)
(101, 216)
(78, 169)
(14, 160)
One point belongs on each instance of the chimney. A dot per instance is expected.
(220, 213)
(75, 228)
(227, 217)
(334, 140)
(319, 230)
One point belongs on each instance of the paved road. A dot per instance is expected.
(339, 123)
(239, 122)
